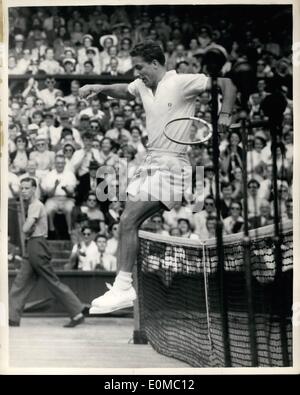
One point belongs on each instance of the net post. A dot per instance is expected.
(139, 334)
(276, 130)
(246, 246)
(219, 226)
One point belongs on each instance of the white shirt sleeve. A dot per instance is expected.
(193, 84)
(133, 88)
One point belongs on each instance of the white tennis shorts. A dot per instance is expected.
(163, 176)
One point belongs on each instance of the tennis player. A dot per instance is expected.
(165, 95)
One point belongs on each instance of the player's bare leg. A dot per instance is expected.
(122, 293)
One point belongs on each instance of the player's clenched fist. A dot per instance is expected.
(88, 91)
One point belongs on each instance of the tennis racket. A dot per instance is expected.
(200, 130)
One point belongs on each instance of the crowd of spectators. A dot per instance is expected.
(62, 140)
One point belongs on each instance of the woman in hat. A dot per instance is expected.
(87, 42)
(69, 65)
(106, 42)
(18, 49)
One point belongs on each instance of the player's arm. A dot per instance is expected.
(117, 91)
(229, 95)
(29, 226)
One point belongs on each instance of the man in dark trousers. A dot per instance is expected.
(38, 264)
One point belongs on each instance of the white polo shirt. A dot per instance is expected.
(174, 98)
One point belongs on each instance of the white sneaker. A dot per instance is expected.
(112, 300)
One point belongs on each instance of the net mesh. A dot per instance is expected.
(179, 298)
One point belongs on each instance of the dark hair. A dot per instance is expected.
(88, 62)
(59, 156)
(137, 128)
(22, 137)
(106, 138)
(149, 51)
(65, 132)
(209, 197)
(91, 193)
(237, 132)
(87, 227)
(186, 221)
(87, 135)
(238, 203)
(31, 180)
(100, 235)
(159, 215)
(180, 63)
(225, 184)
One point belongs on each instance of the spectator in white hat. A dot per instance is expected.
(32, 132)
(106, 42)
(87, 41)
(69, 65)
(17, 50)
(92, 55)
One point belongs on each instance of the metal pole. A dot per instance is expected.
(219, 227)
(278, 256)
(246, 245)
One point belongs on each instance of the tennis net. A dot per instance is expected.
(179, 298)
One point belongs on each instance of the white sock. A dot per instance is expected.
(123, 280)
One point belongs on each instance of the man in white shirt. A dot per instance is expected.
(49, 94)
(49, 130)
(118, 130)
(59, 185)
(201, 217)
(84, 255)
(165, 96)
(65, 123)
(94, 112)
(106, 261)
(74, 96)
(50, 65)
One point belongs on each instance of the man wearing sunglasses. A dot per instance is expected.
(49, 94)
